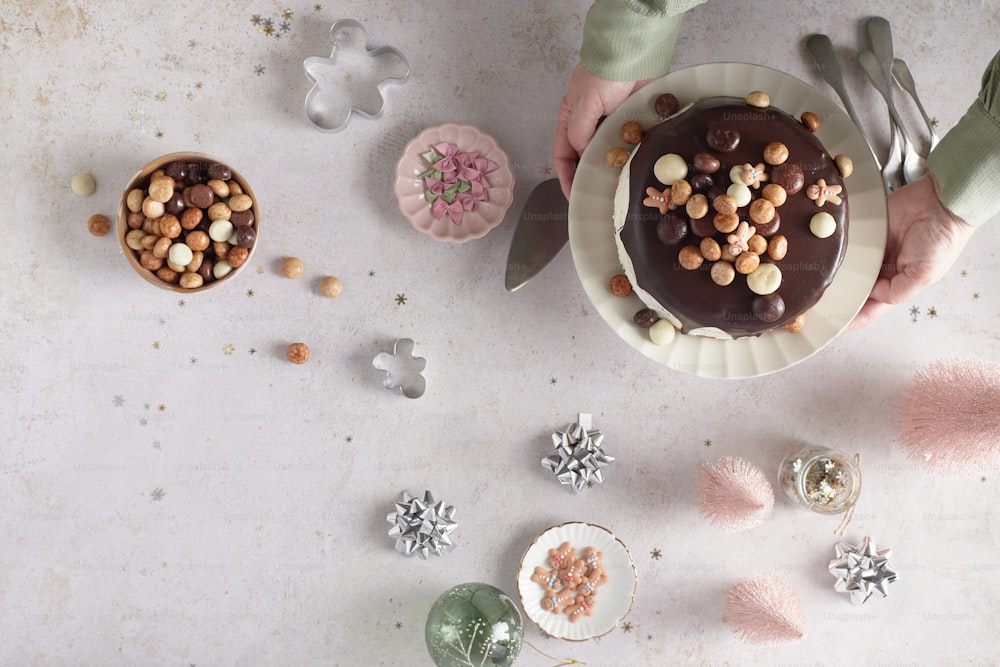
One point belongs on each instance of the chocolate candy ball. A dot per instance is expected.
(706, 163)
(703, 226)
(219, 171)
(672, 228)
(789, 176)
(666, 105)
(701, 183)
(245, 236)
(768, 307)
(176, 170)
(723, 139)
(646, 318)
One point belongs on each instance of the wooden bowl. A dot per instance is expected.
(141, 180)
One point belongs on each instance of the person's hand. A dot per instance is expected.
(924, 240)
(588, 99)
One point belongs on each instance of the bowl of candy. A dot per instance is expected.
(188, 222)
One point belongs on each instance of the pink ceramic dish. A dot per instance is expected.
(410, 187)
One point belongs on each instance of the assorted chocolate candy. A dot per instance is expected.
(191, 223)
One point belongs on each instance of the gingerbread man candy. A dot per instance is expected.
(592, 558)
(595, 580)
(559, 559)
(583, 606)
(574, 574)
(549, 579)
(557, 602)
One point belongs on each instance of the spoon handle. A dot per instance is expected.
(821, 49)
(904, 78)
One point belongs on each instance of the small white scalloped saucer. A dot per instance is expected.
(614, 598)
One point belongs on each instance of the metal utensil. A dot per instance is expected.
(905, 80)
(914, 166)
(541, 232)
(821, 49)
(880, 34)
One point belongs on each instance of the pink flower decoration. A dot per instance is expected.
(450, 178)
(485, 165)
(468, 173)
(436, 186)
(454, 210)
(458, 168)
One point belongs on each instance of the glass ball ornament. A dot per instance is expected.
(473, 624)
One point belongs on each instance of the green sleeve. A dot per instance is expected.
(967, 161)
(632, 40)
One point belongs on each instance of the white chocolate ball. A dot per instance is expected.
(221, 269)
(822, 225)
(669, 168)
(662, 332)
(82, 184)
(220, 230)
(740, 193)
(180, 254)
(736, 174)
(765, 279)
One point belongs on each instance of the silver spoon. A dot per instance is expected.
(821, 49)
(880, 34)
(905, 81)
(914, 166)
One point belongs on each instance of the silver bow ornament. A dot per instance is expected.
(422, 525)
(578, 460)
(862, 570)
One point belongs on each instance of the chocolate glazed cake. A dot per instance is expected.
(662, 233)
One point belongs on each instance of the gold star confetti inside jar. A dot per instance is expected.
(820, 479)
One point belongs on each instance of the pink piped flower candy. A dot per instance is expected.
(456, 180)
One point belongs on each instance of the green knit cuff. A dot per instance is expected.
(627, 46)
(967, 165)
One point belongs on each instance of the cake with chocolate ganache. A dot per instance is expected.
(731, 218)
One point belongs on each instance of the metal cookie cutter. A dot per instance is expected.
(350, 79)
(402, 369)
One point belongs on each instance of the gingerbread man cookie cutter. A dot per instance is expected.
(402, 369)
(350, 80)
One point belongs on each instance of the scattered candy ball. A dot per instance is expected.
(775, 153)
(99, 224)
(631, 132)
(759, 99)
(669, 168)
(645, 317)
(777, 247)
(723, 139)
(620, 285)
(740, 193)
(292, 267)
(789, 176)
(82, 184)
(810, 120)
(774, 193)
(671, 229)
(768, 307)
(844, 164)
(706, 163)
(765, 279)
(690, 257)
(795, 326)
(616, 157)
(666, 105)
(822, 225)
(723, 273)
(331, 287)
(662, 332)
(298, 353)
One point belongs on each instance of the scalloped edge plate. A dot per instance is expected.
(409, 188)
(591, 230)
(614, 598)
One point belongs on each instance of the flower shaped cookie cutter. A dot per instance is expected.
(402, 369)
(350, 80)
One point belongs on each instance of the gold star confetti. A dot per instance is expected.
(157, 493)
(975, 295)
(400, 299)
(963, 273)
(249, 292)
(228, 348)
(190, 96)
(255, 19)
(626, 626)
(932, 312)
(161, 97)
(159, 134)
(156, 345)
(708, 442)
(287, 14)
(317, 7)
(934, 122)
(656, 554)
(268, 30)
(162, 407)
(260, 269)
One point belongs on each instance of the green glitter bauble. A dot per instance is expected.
(473, 625)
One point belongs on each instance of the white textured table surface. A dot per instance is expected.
(176, 493)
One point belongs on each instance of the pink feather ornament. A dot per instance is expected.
(765, 610)
(949, 416)
(735, 494)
